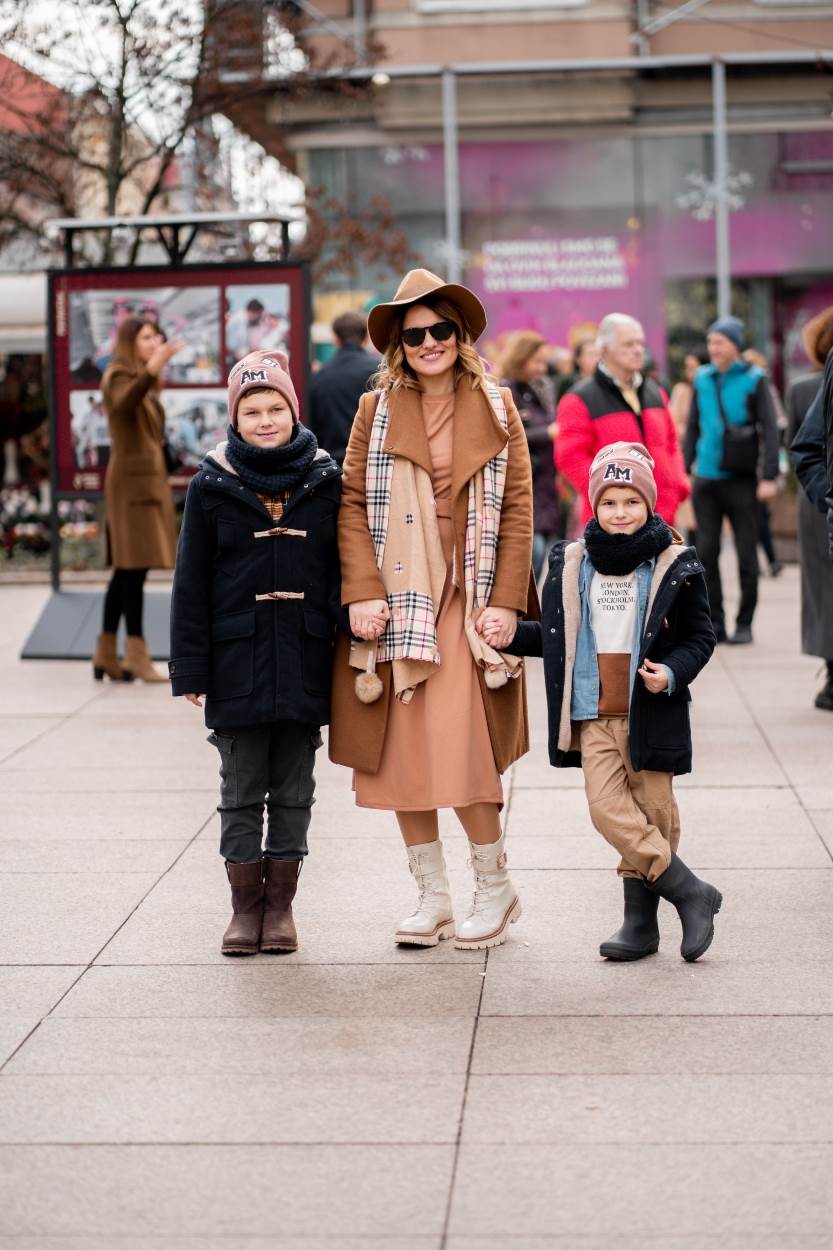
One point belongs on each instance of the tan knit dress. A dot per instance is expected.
(437, 750)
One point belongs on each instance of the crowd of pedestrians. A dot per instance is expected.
(374, 564)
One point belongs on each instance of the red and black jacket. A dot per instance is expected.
(596, 413)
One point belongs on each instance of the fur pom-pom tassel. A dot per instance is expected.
(368, 684)
(368, 687)
(495, 678)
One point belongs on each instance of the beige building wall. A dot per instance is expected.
(414, 32)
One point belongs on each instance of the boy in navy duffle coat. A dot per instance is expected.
(256, 603)
(625, 629)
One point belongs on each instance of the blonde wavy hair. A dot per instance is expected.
(394, 372)
(517, 350)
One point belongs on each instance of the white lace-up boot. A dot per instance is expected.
(495, 905)
(432, 918)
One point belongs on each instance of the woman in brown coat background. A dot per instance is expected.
(444, 727)
(141, 529)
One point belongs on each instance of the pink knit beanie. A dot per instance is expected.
(623, 464)
(261, 369)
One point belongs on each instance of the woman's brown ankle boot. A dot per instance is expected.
(106, 660)
(137, 661)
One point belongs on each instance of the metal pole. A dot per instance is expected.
(451, 153)
(360, 29)
(723, 262)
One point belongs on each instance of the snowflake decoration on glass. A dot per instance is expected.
(701, 198)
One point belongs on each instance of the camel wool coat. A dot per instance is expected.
(140, 511)
(357, 730)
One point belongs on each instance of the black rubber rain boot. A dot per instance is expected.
(639, 934)
(697, 904)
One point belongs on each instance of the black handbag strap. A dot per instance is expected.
(726, 423)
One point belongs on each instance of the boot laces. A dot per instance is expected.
(483, 886)
(426, 884)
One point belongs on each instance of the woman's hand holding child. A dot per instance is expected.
(497, 626)
(368, 618)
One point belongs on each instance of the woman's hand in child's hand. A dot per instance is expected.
(368, 618)
(654, 676)
(196, 699)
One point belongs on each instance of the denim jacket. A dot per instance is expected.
(584, 703)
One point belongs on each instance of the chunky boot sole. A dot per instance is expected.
(445, 929)
(624, 954)
(239, 950)
(275, 948)
(497, 937)
(717, 903)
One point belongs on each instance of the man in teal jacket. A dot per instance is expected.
(732, 440)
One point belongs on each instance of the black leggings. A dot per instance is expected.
(125, 598)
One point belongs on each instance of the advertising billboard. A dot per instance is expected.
(219, 312)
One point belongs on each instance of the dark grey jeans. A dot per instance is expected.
(269, 766)
(733, 498)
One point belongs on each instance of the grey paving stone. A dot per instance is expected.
(31, 991)
(230, 1242)
(707, 1192)
(323, 1045)
(139, 815)
(574, 1241)
(100, 781)
(272, 988)
(647, 1045)
(84, 856)
(14, 1030)
(56, 918)
(303, 1108)
(215, 1191)
(817, 796)
(112, 744)
(661, 1107)
(17, 731)
(658, 986)
(823, 824)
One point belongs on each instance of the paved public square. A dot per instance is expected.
(356, 1095)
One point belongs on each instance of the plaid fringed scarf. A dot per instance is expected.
(402, 518)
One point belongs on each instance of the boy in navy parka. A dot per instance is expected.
(256, 602)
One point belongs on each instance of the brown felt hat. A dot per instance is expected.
(817, 337)
(416, 286)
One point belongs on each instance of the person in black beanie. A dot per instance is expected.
(255, 608)
(625, 630)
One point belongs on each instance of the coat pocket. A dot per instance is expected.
(317, 661)
(232, 655)
(146, 480)
(666, 722)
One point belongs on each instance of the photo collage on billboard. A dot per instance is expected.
(218, 325)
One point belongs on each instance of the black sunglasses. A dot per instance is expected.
(440, 331)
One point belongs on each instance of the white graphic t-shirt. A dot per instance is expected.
(613, 604)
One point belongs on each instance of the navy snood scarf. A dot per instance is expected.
(619, 554)
(268, 470)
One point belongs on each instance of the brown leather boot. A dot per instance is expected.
(279, 933)
(242, 937)
(106, 660)
(137, 661)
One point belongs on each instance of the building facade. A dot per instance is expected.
(583, 151)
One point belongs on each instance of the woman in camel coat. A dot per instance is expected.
(435, 538)
(141, 529)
